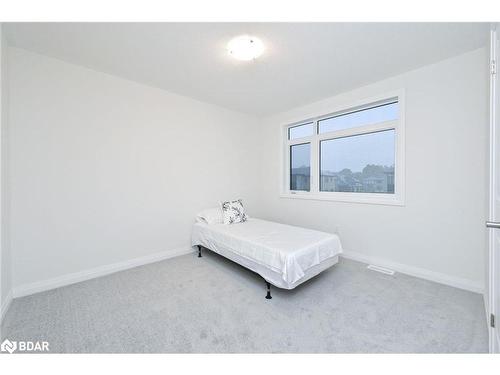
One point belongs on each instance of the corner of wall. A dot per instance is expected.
(5, 258)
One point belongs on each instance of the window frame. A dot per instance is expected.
(397, 198)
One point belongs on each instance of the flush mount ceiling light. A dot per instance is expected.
(245, 47)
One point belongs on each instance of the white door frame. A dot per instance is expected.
(493, 289)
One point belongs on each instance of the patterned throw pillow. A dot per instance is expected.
(233, 212)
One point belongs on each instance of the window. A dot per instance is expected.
(383, 112)
(359, 163)
(300, 131)
(353, 155)
(300, 167)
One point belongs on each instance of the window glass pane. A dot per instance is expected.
(300, 167)
(301, 131)
(360, 163)
(385, 112)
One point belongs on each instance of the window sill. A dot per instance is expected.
(348, 198)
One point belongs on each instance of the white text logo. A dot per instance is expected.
(24, 346)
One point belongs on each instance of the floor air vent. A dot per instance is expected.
(387, 271)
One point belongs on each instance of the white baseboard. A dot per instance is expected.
(57, 282)
(5, 306)
(422, 273)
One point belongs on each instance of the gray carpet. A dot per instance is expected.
(209, 304)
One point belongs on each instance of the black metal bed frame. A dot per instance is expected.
(268, 285)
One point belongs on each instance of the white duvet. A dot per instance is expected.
(285, 249)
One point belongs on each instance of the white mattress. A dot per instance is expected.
(283, 254)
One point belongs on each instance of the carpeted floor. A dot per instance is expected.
(209, 304)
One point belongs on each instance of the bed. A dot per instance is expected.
(284, 255)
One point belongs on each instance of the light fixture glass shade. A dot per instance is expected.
(245, 47)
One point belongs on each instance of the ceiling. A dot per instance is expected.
(303, 62)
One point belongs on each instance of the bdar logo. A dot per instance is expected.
(24, 346)
(8, 346)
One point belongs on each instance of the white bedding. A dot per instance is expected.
(287, 251)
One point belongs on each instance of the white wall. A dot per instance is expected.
(104, 170)
(5, 255)
(440, 232)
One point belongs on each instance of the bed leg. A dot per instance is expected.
(268, 296)
(199, 251)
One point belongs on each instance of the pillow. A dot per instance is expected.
(233, 212)
(210, 216)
